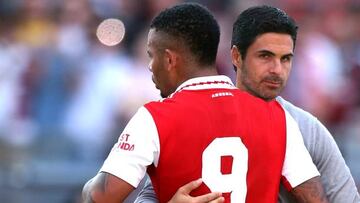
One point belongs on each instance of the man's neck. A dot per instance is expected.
(202, 71)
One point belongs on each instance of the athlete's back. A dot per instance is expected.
(234, 141)
(209, 129)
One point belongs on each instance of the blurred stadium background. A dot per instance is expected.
(65, 97)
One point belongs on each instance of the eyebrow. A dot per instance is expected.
(263, 51)
(266, 52)
(290, 54)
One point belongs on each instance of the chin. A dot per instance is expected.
(269, 97)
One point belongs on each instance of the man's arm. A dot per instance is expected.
(310, 191)
(147, 193)
(336, 178)
(124, 168)
(300, 176)
(106, 188)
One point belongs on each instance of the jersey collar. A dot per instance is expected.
(208, 82)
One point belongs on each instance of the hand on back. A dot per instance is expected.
(182, 195)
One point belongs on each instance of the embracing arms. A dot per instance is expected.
(105, 188)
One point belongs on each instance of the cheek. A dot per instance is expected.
(257, 72)
(158, 72)
(286, 71)
(288, 68)
(154, 67)
(151, 65)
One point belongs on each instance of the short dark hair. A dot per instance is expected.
(258, 20)
(195, 25)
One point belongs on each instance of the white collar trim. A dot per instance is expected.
(208, 82)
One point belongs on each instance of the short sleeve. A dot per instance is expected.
(136, 148)
(298, 166)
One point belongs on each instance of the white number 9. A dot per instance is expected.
(235, 182)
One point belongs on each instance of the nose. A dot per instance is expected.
(276, 66)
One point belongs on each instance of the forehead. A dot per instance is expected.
(274, 42)
(152, 37)
(158, 39)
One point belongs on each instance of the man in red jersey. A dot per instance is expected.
(263, 43)
(205, 127)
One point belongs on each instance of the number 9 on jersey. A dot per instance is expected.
(233, 183)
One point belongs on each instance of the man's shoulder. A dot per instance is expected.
(325, 154)
(299, 114)
(313, 131)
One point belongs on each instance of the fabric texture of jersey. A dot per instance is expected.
(193, 117)
(338, 183)
(209, 129)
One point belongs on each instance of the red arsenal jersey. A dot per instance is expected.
(209, 129)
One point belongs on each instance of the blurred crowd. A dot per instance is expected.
(65, 97)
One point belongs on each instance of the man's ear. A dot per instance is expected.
(171, 59)
(236, 57)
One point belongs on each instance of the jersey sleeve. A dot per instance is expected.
(136, 148)
(332, 166)
(298, 166)
(326, 156)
